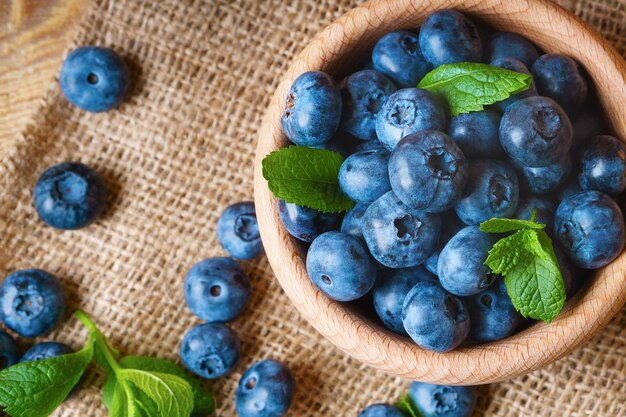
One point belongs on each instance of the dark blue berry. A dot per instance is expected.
(544, 180)
(45, 350)
(492, 191)
(513, 64)
(312, 109)
(238, 231)
(70, 196)
(381, 410)
(304, 223)
(545, 211)
(31, 302)
(560, 78)
(397, 235)
(428, 171)
(536, 132)
(603, 163)
(461, 267)
(9, 353)
(492, 314)
(570, 187)
(352, 223)
(217, 289)
(450, 226)
(266, 389)
(447, 36)
(407, 111)
(433, 318)
(340, 266)
(392, 286)
(511, 45)
(364, 94)
(590, 228)
(364, 176)
(398, 56)
(443, 400)
(93, 78)
(477, 133)
(210, 350)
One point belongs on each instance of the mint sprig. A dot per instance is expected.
(405, 404)
(307, 177)
(529, 265)
(136, 386)
(468, 86)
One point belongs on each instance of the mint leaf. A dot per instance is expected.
(307, 177)
(508, 252)
(37, 388)
(468, 86)
(172, 395)
(508, 225)
(203, 403)
(406, 405)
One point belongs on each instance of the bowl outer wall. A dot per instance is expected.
(334, 50)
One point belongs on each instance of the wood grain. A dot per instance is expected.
(33, 37)
(336, 50)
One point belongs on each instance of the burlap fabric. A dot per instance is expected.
(180, 150)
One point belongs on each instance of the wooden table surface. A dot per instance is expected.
(33, 38)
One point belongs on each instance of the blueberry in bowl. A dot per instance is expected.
(528, 133)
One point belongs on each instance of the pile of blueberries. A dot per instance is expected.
(423, 181)
(72, 195)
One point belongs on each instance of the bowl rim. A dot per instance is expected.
(550, 27)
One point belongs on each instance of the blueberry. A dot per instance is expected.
(567, 272)
(545, 211)
(238, 231)
(398, 56)
(492, 191)
(450, 225)
(511, 45)
(407, 111)
(428, 171)
(45, 350)
(9, 353)
(433, 318)
(266, 389)
(370, 145)
(364, 176)
(603, 165)
(69, 195)
(340, 266)
(461, 267)
(570, 187)
(217, 289)
(312, 109)
(585, 125)
(492, 314)
(352, 223)
(381, 410)
(559, 77)
(391, 288)
(93, 78)
(535, 131)
(590, 228)
(477, 133)
(304, 223)
(443, 400)
(31, 302)
(397, 235)
(513, 64)
(364, 94)
(447, 36)
(544, 180)
(210, 350)
(342, 143)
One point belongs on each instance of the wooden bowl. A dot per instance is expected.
(337, 50)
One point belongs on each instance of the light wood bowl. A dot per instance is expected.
(336, 50)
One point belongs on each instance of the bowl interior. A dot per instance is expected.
(342, 48)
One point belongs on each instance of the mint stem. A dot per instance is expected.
(100, 340)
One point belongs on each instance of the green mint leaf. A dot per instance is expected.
(171, 395)
(508, 252)
(203, 403)
(307, 177)
(124, 403)
(37, 388)
(497, 225)
(107, 393)
(405, 404)
(468, 86)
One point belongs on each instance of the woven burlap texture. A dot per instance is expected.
(175, 154)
